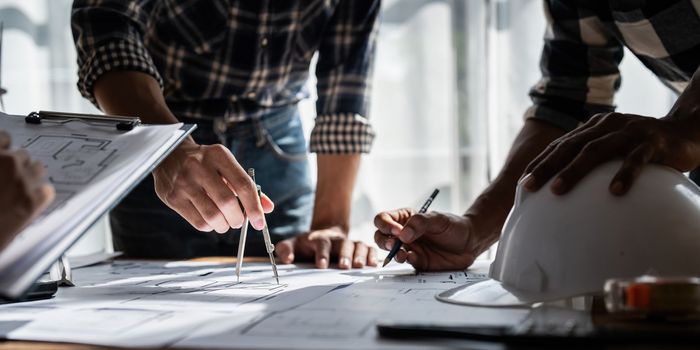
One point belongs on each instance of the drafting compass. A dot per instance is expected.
(269, 247)
(3, 91)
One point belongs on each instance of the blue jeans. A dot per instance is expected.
(144, 227)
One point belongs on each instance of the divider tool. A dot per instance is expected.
(269, 247)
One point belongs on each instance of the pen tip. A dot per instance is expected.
(386, 261)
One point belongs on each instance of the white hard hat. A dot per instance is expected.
(558, 247)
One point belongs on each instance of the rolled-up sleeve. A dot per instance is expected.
(108, 36)
(579, 67)
(343, 72)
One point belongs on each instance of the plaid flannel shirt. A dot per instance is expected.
(584, 46)
(233, 59)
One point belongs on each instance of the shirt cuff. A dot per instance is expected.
(112, 56)
(345, 133)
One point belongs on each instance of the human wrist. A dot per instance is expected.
(337, 216)
(685, 113)
(685, 120)
(488, 213)
(336, 180)
(684, 117)
(333, 221)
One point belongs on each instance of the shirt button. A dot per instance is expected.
(263, 42)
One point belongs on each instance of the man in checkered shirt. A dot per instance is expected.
(572, 126)
(238, 69)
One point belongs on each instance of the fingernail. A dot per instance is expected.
(617, 187)
(558, 185)
(359, 263)
(259, 224)
(323, 263)
(389, 244)
(344, 262)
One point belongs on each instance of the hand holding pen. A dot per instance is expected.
(397, 245)
(431, 241)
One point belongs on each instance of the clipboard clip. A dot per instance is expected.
(122, 123)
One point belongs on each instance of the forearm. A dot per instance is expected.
(133, 94)
(687, 106)
(490, 209)
(336, 180)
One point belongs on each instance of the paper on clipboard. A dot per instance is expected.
(91, 168)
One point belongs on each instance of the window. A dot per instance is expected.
(449, 90)
(39, 71)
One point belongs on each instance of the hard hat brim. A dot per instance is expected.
(488, 293)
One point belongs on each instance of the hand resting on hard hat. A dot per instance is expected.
(432, 241)
(636, 139)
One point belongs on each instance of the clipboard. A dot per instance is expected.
(93, 161)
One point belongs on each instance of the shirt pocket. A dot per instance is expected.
(198, 25)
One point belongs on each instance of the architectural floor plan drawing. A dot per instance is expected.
(72, 159)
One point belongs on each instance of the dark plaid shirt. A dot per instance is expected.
(234, 59)
(584, 46)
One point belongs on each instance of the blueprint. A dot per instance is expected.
(91, 167)
(201, 305)
(72, 161)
